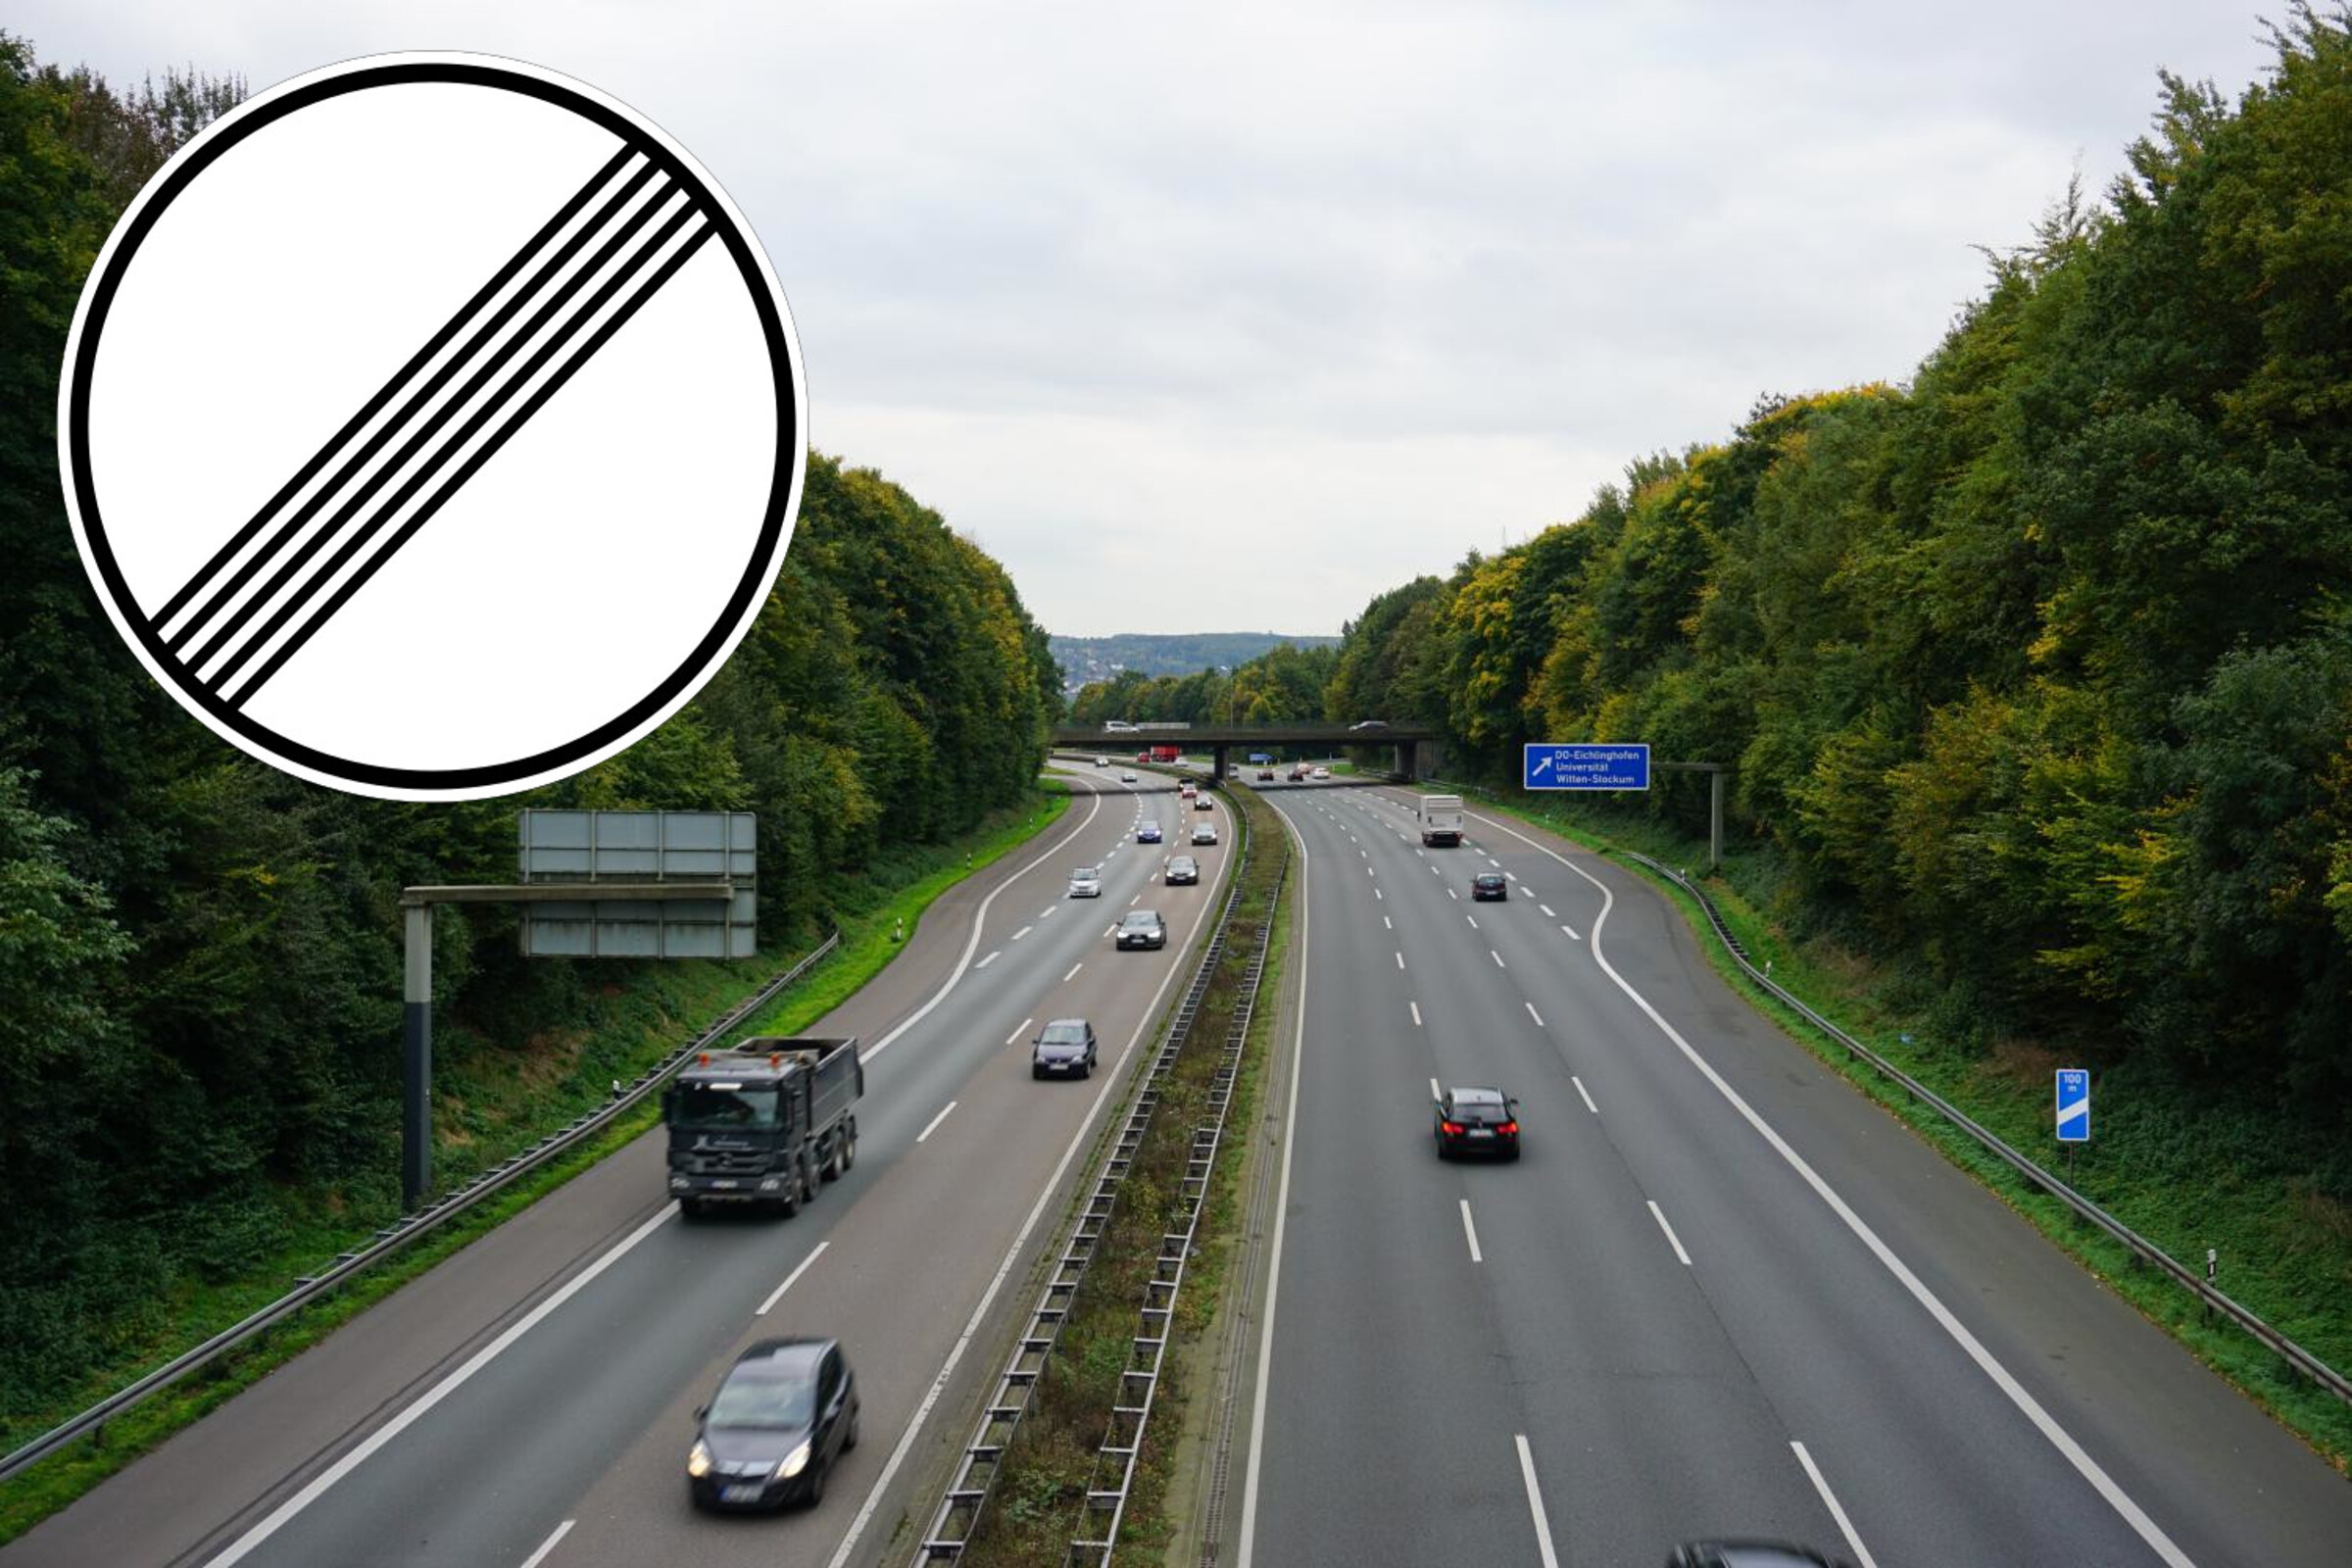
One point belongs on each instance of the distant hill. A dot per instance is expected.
(1089, 659)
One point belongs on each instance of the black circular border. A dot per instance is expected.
(749, 590)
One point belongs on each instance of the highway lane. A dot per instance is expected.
(541, 1376)
(1649, 1399)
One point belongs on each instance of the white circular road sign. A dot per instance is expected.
(433, 426)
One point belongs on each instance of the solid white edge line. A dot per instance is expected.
(1067, 978)
(2043, 1422)
(549, 1544)
(932, 1125)
(1282, 1209)
(815, 1254)
(1676, 1241)
(971, 1327)
(374, 1442)
(1533, 1013)
(1471, 1231)
(1534, 1501)
(973, 946)
(1586, 1094)
(1844, 1525)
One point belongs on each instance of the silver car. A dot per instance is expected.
(1086, 883)
(1204, 832)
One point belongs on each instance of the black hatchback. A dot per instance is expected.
(1476, 1121)
(786, 1410)
(1489, 885)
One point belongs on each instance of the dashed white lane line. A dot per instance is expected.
(1548, 913)
(1472, 918)
(1497, 957)
(549, 1544)
(1587, 1097)
(1025, 1023)
(1455, 896)
(1572, 936)
(1533, 1013)
(1048, 914)
(1400, 960)
(1375, 893)
(1132, 903)
(1659, 1215)
(1845, 1525)
(1535, 1502)
(1368, 871)
(1471, 1231)
(1114, 930)
(1386, 921)
(1416, 1006)
(1023, 932)
(1074, 974)
(818, 1250)
(931, 1126)
(990, 958)
(1435, 1093)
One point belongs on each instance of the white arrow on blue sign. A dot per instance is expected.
(1562, 765)
(2074, 1105)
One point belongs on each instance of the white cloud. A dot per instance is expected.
(1226, 316)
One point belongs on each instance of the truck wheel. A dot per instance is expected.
(848, 1149)
(790, 1203)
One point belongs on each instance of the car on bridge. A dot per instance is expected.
(1476, 1121)
(1086, 883)
(1322, 772)
(1368, 723)
(1065, 1047)
(1149, 833)
(1489, 885)
(784, 1412)
(1265, 776)
(1204, 832)
(1183, 868)
(1101, 761)
(1142, 928)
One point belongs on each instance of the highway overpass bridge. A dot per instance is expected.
(1415, 745)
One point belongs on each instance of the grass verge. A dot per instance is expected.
(474, 1129)
(2186, 1175)
(1040, 1499)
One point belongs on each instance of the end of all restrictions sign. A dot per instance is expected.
(1559, 766)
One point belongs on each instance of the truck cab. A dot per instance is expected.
(763, 1124)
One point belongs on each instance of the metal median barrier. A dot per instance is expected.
(2302, 1360)
(958, 1516)
(408, 1228)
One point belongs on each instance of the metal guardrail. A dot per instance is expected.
(958, 1517)
(408, 1228)
(1123, 1438)
(2302, 1360)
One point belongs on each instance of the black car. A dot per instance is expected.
(1489, 885)
(1750, 1555)
(786, 1410)
(1143, 928)
(1183, 868)
(1478, 1121)
(1063, 1048)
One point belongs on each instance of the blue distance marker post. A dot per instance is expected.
(2072, 1112)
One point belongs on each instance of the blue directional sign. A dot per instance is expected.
(2074, 1105)
(1554, 765)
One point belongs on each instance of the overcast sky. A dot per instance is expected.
(1208, 317)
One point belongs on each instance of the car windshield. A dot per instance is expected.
(762, 1399)
(1488, 879)
(709, 1108)
(1140, 920)
(1064, 1033)
(1085, 873)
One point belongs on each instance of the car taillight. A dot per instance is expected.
(1454, 1128)
(1509, 1129)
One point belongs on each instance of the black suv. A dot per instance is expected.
(784, 1412)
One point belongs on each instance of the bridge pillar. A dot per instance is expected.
(1218, 751)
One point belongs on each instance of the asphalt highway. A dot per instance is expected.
(528, 1402)
(1720, 1292)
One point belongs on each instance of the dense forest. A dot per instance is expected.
(2036, 671)
(200, 955)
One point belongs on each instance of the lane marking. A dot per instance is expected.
(814, 1252)
(1017, 1032)
(1549, 913)
(2088, 1468)
(1535, 1502)
(375, 1441)
(932, 1125)
(1435, 1093)
(1416, 1006)
(1368, 871)
(1572, 936)
(1659, 1214)
(1400, 960)
(990, 958)
(1449, 893)
(1112, 929)
(1497, 957)
(549, 1544)
(1074, 974)
(1588, 1097)
(1471, 1231)
(1386, 921)
(1132, 903)
(1048, 915)
(1023, 932)
(1375, 893)
(1472, 918)
(1844, 1525)
(1533, 1013)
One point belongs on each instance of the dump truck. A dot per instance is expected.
(764, 1123)
(1441, 820)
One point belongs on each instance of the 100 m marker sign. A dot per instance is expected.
(433, 426)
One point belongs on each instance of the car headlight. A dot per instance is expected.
(794, 1463)
(698, 1459)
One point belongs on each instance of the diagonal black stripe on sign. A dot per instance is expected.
(230, 622)
(385, 394)
(522, 416)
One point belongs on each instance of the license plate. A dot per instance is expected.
(741, 1493)
(1480, 1132)
(722, 1184)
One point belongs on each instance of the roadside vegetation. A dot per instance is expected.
(1039, 1504)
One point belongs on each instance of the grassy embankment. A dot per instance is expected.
(489, 1102)
(2179, 1167)
(1040, 1498)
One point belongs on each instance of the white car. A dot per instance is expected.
(1127, 778)
(1101, 761)
(1322, 772)
(1086, 883)
(1204, 832)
